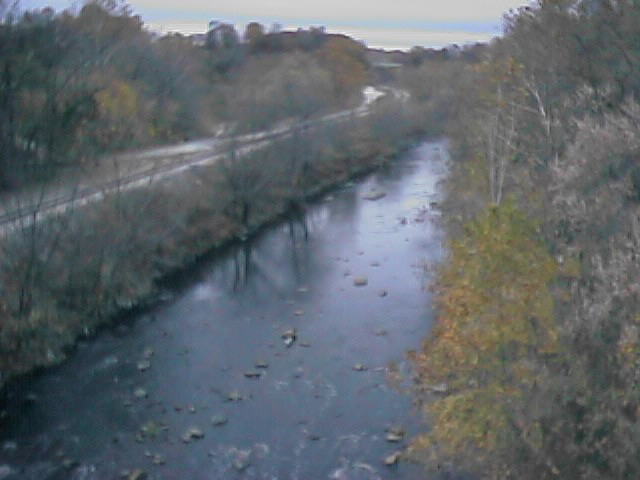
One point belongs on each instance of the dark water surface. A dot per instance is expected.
(311, 414)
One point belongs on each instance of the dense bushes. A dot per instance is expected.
(548, 121)
(496, 332)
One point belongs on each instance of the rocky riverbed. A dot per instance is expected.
(273, 361)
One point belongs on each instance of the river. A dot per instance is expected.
(204, 385)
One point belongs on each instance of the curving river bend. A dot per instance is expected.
(319, 409)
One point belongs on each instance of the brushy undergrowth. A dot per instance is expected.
(63, 277)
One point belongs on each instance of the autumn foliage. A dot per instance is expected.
(92, 80)
(495, 326)
(532, 368)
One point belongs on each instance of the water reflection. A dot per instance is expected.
(292, 412)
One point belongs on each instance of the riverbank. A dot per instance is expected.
(213, 356)
(67, 276)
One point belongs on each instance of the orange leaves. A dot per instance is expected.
(344, 58)
(495, 326)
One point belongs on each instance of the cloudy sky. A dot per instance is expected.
(379, 23)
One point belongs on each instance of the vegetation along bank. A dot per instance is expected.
(532, 369)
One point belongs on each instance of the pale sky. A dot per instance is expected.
(379, 23)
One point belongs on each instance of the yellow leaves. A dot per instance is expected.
(472, 420)
(123, 116)
(118, 100)
(629, 344)
(496, 324)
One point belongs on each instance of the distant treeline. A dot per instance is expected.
(532, 371)
(78, 83)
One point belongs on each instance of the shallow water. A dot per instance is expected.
(314, 412)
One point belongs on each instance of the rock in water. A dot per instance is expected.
(392, 459)
(242, 460)
(138, 475)
(151, 429)
(289, 336)
(140, 393)
(5, 471)
(219, 420)
(374, 195)
(9, 446)
(144, 365)
(360, 281)
(234, 396)
(69, 463)
(194, 433)
(395, 434)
